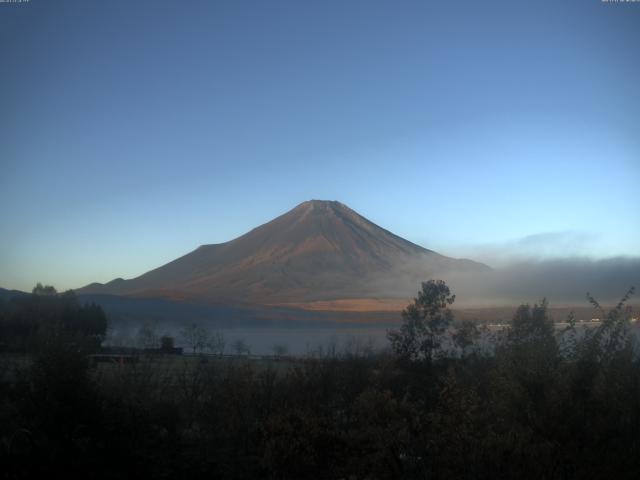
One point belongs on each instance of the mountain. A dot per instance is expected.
(319, 253)
(9, 294)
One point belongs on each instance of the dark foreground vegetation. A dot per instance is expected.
(537, 403)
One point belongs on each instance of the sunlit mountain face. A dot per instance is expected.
(320, 255)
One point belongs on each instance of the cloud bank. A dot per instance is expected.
(562, 281)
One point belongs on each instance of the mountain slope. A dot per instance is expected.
(318, 251)
(9, 294)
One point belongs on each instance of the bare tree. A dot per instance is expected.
(147, 336)
(280, 350)
(216, 343)
(195, 336)
(241, 347)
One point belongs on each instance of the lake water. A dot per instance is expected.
(262, 340)
(302, 341)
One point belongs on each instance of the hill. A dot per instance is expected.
(9, 294)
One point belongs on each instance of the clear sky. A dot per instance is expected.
(133, 131)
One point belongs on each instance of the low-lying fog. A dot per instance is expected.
(562, 281)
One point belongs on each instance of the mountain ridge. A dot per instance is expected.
(318, 251)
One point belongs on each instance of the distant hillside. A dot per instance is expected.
(9, 294)
(319, 251)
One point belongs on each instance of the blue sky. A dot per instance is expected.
(132, 132)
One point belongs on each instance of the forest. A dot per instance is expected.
(536, 401)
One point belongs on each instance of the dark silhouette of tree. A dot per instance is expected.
(31, 322)
(147, 336)
(167, 343)
(40, 289)
(216, 343)
(280, 350)
(531, 325)
(424, 323)
(195, 336)
(241, 347)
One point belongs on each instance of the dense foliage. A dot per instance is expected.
(541, 403)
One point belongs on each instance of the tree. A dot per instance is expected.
(167, 343)
(526, 381)
(40, 289)
(530, 339)
(216, 343)
(424, 323)
(241, 347)
(31, 322)
(147, 336)
(465, 336)
(195, 336)
(612, 335)
(280, 350)
(531, 325)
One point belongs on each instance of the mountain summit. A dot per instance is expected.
(319, 251)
